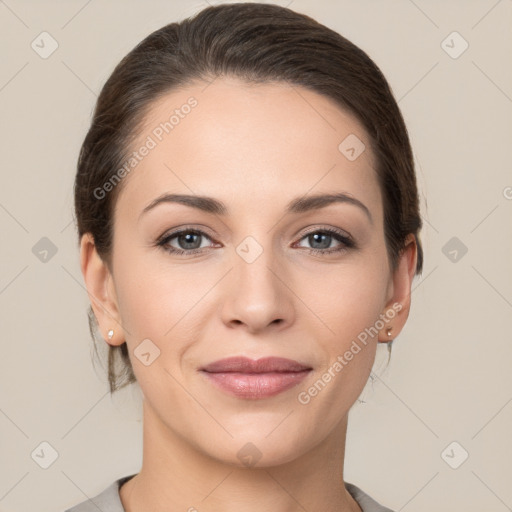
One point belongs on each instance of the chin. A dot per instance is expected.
(259, 451)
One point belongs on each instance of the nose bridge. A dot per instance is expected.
(256, 248)
(254, 263)
(258, 296)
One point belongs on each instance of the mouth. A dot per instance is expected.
(249, 379)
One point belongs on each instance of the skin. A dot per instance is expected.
(254, 147)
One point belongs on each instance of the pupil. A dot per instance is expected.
(325, 237)
(188, 240)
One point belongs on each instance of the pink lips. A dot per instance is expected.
(246, 378)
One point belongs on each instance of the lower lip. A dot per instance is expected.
(255, 386)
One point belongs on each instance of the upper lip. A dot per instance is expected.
(242, 364)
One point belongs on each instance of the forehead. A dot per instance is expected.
(250, 145)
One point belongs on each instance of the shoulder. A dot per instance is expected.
(106, 501)
(367, 503)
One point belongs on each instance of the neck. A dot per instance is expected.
(176, 476)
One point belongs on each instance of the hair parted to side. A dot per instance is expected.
(259, 43)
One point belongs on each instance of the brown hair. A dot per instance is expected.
(258, 43)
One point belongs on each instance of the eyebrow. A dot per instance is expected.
(298, 205)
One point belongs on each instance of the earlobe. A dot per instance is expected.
(98, 281)
(398, 306)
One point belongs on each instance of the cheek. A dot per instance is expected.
(159, 304)
(152, 301)
(347, 298)
(349, 301)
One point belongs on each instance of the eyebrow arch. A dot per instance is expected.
(298, 205)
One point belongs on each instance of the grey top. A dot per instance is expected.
(109, 500)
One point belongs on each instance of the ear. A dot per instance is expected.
(399, 303)
(101, 291)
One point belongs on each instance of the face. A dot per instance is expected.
(263, 271)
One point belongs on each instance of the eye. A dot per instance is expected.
(323, 238)
(188, 241)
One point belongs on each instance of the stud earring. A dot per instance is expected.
(388, 331)
(110, 334)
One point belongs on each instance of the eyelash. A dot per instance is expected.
(340, 236)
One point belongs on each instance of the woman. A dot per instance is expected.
(249, 231)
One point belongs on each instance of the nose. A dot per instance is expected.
(258, 296)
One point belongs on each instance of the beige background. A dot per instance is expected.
(450, 374)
